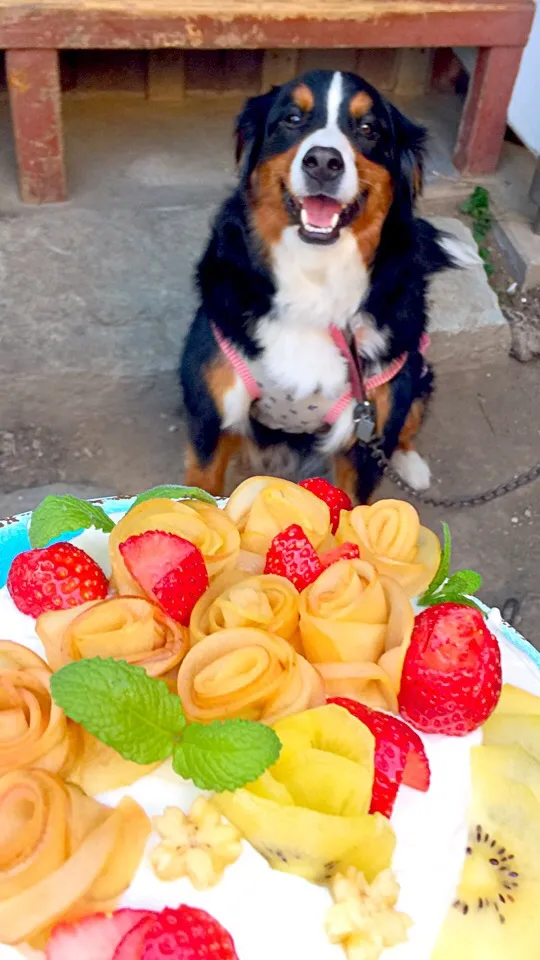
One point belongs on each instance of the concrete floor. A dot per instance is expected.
(96, 295)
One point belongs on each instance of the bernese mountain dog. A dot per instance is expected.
(315, 258)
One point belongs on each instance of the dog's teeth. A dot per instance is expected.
(335, 220)
(312, 229)
(304, 218)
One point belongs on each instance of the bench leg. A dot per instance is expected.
(483, 123)
(35, 96)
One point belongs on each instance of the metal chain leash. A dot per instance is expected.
(475, 500)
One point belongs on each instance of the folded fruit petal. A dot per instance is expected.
(34, 731)
(389, 535)
(262, 507)
(355, 627)
(306, 842)
(202, 524)
(55, 846)
(266, 602)
(126, 628)
(246, 673)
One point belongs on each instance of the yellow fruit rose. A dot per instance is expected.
(308, 814)
(202, 524)
(126, 628)
(389, 536)
(34, 731)
(246, 673)
(266, 602)
(355, 627)
(262, 507)
(61, 853)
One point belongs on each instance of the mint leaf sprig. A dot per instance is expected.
(56, 515)
(143, 721)
(458, 587)
(172, 492)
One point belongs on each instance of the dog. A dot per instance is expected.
(317, 253)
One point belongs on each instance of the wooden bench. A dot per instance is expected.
(32, 32)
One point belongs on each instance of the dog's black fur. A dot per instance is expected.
(236, 285)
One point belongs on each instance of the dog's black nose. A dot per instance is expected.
(323, 164)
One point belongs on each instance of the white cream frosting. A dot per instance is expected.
(272, 914)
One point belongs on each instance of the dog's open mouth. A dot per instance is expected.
(320, 218)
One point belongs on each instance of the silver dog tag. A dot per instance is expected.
(364, 421)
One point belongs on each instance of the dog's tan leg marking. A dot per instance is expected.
(345, 476)
(211, 476)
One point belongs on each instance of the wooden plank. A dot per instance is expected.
(166, 75)
(483, 122)
(394, 23)
(413, 71)
(278, 67)
(34, 90)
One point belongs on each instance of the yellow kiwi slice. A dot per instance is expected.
(509, 730)
(495, 915)
(515, 700)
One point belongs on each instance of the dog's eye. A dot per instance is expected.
(366, 128)
(293, 118)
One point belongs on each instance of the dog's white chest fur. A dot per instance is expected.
(316, 286)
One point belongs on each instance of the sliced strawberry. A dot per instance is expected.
(55, 578)
(451, 680)
(92, 938)
(169, 569)
(397, 748)
(417, 773)
(187, 934)
(346, 551)
(336, 499)
(292, 556)
(131, 946)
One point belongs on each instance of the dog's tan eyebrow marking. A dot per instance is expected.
(303, 97)
(360, 104)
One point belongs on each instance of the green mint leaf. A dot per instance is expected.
(56, 515)
(225, 755)
(463, 581)
(453, 596)
(122, 706)
(171, 492)
(442, 570)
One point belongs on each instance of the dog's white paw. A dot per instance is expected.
(412, 469)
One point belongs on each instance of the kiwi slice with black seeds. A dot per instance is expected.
(496, 912)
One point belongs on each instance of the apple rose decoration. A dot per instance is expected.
(389, 535)
(355, 626)
(266, 602)
(61, 853)
(246, 673)
(126, 628)
(262, 507)
(202, 524)
(34, 731)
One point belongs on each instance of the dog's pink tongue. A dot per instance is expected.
(320, 210)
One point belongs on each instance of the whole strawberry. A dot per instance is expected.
(54, 578)
(187, 934)
(336, 499)
(170, 570)
(292, 556)
(451, 680)
(399, 755)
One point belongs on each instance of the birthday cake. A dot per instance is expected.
(273, 726)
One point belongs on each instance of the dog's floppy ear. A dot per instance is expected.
(409, 148)
(250, 128)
